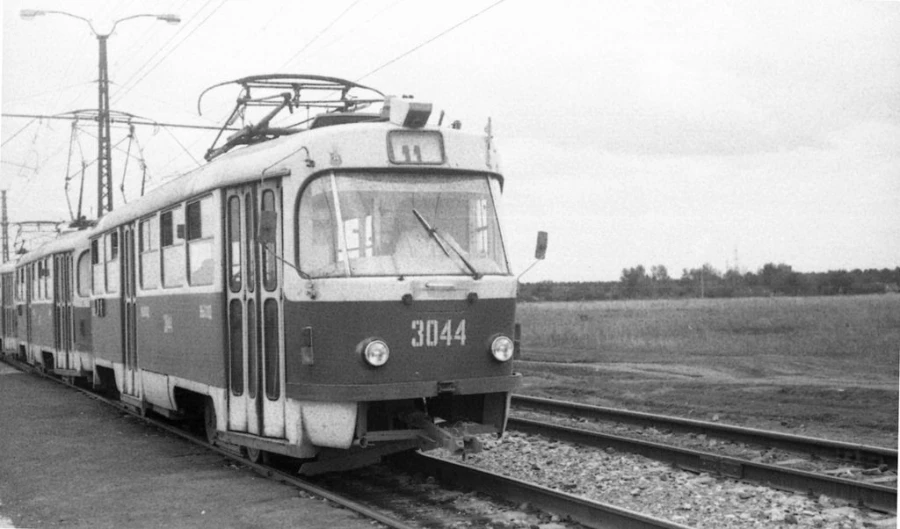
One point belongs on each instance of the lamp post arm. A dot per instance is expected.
(172, 19)
(27, 13)
(31, 13)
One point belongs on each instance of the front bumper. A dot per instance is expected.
(402, 390)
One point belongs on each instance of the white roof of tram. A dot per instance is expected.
(64, 242)
(358, 145)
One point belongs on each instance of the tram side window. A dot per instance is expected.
(171, 240)
(112, 261)
(200, 222)
(250, 249)
(42, 279)
(33, 283)
(36, 281)
(149, 249)
(41, 283)
(234, 244)
(84, 274)
(270, 272)
(97, 265)
(48, 279)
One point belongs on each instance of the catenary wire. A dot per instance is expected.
(19, 131)
(366, 22)
(432, 39)
(150, 69)
(319, 34)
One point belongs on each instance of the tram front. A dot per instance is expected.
(400, 316)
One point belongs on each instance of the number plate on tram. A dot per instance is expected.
(438, 333)
(416, 147)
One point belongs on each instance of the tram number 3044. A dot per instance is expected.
(433, 333)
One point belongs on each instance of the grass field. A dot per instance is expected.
(825, 365)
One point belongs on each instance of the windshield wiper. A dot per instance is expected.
(443, 242)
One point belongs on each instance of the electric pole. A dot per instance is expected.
(104, 149)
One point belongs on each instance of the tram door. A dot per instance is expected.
(63, 317)
(131, 383)
(255, 321)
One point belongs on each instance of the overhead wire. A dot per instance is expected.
(143, 164)
(33, 150)
(117, 121)
(18, 132)
(432, 39)
(68, 178)
(14, 164)
(367, 21)
(127, 159)
(58, 91)
(181, 145)
(320, 33)
(182, 27)
(125, 91)
(141, 40)
(276, 13)
(70, 65)
(34, 177)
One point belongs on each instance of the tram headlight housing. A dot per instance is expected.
(375, 352)
(502, 348)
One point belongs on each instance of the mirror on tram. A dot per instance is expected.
(540, 250)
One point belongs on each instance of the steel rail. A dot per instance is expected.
(863, 454)
(584, 511)
(876, 497)
(263, 470)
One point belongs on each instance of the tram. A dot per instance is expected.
(333, 292)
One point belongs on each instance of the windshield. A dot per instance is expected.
(366, 225)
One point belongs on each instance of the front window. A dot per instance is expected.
(399, 224)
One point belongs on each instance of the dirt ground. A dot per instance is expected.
(845, 408)
(69, 461)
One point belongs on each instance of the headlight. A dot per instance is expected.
(502, 348)
(376, 353)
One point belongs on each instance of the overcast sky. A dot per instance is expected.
(673, 133)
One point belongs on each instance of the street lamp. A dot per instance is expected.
(104, 149)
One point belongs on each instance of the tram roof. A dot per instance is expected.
(64, 242)
(360, 147)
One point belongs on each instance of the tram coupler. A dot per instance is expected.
(458, 438)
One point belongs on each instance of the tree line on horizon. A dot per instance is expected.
(707, 282)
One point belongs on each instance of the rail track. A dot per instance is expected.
(576, 509)
(871, 495)
(863, 454)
